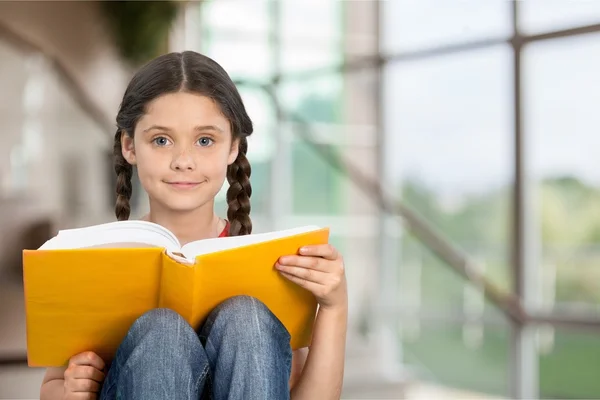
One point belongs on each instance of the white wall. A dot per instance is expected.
(67, 151)
(74, 32)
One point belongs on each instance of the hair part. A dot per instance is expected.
(195, 73)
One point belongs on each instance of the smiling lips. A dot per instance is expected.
(183, 184)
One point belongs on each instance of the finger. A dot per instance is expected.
(315, 263)
(326, 251)
(88, 358)
(305, 274)
(83, 385)
(310, 286)
(87, 372)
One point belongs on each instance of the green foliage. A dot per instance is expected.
(570, 227)
(567, 215)
(570, 212)
(569, 371)
(140, 28)
(446, 360)
(483, 219)
(568, 219)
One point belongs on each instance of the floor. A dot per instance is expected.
(16, 381)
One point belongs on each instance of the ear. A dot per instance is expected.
(233, 153)
(127, 148)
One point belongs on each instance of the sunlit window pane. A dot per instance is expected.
(249, 17)
(561, 117)
(449, 143)
(536, 16)
(316, 22)
(256, 57)
(410, 25)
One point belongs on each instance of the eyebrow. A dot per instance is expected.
(203, 128)
(199, 128)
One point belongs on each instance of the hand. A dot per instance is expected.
(84, 376)
(319, 269)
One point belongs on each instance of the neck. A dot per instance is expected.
(188, 226)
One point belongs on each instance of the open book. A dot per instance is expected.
(85, 287)
(130, 234)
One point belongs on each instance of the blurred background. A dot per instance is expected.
(450, 145)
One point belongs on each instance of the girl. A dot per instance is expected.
(182, 123)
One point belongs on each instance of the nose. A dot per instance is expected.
(183, 160)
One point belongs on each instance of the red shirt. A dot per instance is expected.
(225, 231)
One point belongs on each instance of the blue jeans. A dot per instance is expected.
(241, 352)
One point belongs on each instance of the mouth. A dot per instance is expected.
(183, 185)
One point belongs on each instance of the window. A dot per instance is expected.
(569, 361)
(444, 354)
(537, 16)
(561, 118)
(316, 187)
(449, 129)
(236, 18)
(449, 146)
(448, 124)
(414, 25)
(310, 35)
(256, 65)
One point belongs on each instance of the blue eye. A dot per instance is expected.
(205, 141)
(161, 141)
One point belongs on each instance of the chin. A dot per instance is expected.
(183, 206)
(180, 203)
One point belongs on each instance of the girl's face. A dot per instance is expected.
(181, 147)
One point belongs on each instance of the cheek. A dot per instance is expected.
(215, 165)
(216, 168)
(149, 166)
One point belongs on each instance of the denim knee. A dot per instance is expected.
(161, 356)
(248, 350)
(158, 318)
(245, 317)
(160, 324)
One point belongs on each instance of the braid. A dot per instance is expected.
(239, 192)
(124, 171)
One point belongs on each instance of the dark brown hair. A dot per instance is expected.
(196, 73)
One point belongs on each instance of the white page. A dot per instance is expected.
(114, 234)
(193, 249)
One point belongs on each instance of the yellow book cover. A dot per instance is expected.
(85, 287)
